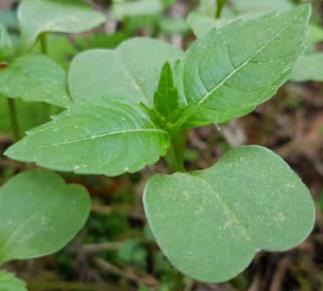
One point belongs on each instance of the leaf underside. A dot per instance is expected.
(93, 139)
(39, 214)
(211, 223)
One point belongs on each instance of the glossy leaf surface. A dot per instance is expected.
(39, 214)
(129, 73)
(211, 223)
(35, 78)
(226, 75)
(69, 16)
(92, 139)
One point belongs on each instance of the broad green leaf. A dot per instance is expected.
(211, 223)
(129, 73)
(69, 16)
(136, 8)
(9, 282)
(39, 214)
(226, 75)
(35, 78)
(5, 43)
(308, 68)
(93, 139)
(167, 99)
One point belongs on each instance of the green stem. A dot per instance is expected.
(175, 154)
(219, 8)
(176, 163)
(13, 118)
(43, 43)
(44, 51)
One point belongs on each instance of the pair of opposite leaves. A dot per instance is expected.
(249, 200)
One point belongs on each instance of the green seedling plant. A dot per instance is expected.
(132, 105)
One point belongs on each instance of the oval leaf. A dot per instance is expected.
(129, 73)
(35, 78)
(92, 139)
(8, 282)
(69, 16)
(211, 223)
(226, 75)
(39, 214)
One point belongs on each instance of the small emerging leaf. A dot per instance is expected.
(69, 16)
(9, 282)
(166, 99)
(39, 214)
(35, 78)
(93, 139)
(226, 75)
(212, 222)
(128, 73)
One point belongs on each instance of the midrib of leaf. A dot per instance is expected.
(101, 136)
(246, 62)
(131, 77)
(246, 234)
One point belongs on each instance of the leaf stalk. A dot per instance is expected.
(175, 154)
(219, 8)
(14, 119)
